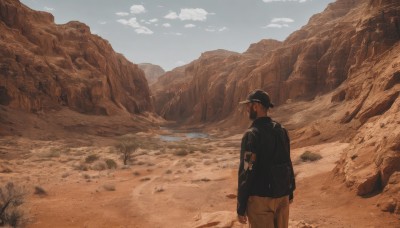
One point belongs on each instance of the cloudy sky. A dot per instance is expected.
(171, 33)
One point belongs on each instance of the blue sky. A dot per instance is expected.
(171, 33)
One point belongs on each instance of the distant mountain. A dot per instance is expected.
(44, 66)
(151, 71)
(343, 63)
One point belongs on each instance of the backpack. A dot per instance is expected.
(280, 173)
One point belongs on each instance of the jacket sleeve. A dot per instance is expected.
(292, 179)
(246, 170)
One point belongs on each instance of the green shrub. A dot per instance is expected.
(126, 149)
(310, 156)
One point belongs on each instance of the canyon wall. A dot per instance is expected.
(45, 66)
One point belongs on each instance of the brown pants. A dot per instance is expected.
(266, 212)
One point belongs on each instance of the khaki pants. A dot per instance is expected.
(266, 212)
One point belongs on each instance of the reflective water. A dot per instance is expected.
(175, 136)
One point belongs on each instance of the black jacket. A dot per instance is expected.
(259, 151)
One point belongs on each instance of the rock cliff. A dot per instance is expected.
(45, 66)
(349, 54)
(151, 72)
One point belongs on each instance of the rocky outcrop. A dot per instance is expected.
(348, 52)
(151, 72)
(45, 66)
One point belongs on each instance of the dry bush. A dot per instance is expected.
(40, 191)
(91, 158)
(11, 198)
(111, 164)
(310, 156)
(181, 152)
(126, 149)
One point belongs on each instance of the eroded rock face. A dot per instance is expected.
(44, 66)
(312, 61)
(349, 51)
(151, 71)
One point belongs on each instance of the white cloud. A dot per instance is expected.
(166, 25)
(196, 14)
(153, 20)
(131, 22)
(48, 8)
(171, 15)
(136, 9)
(279, 22)
(143, 30)
(190, 26)
(102, 22)
(135, 24)
(210, 30)
(122, 14)
(273, 26)
(282, 19)
(268, 1)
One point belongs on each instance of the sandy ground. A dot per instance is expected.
(188, 183)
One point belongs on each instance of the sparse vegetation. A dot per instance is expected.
(145, 179)
(310, 156)
(40, 191)
(127, 148)
(111, 164)
(181, 152)
(91, 158)
(11, 198)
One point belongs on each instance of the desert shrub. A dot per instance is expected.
(310, 156)
(126, 149)
(111, 164)
(91, 158)
(181, 152)
(40, 191)
(11, 198)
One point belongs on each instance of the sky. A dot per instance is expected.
(171, 33)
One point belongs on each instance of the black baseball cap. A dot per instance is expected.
(259, 96)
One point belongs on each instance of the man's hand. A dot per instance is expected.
(242, 219)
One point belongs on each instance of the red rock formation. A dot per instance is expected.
(44, 66)
(151, 71)
(350, 51)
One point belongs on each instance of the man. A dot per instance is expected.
(266, 179)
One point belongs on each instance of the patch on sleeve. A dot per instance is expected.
(249, 159)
